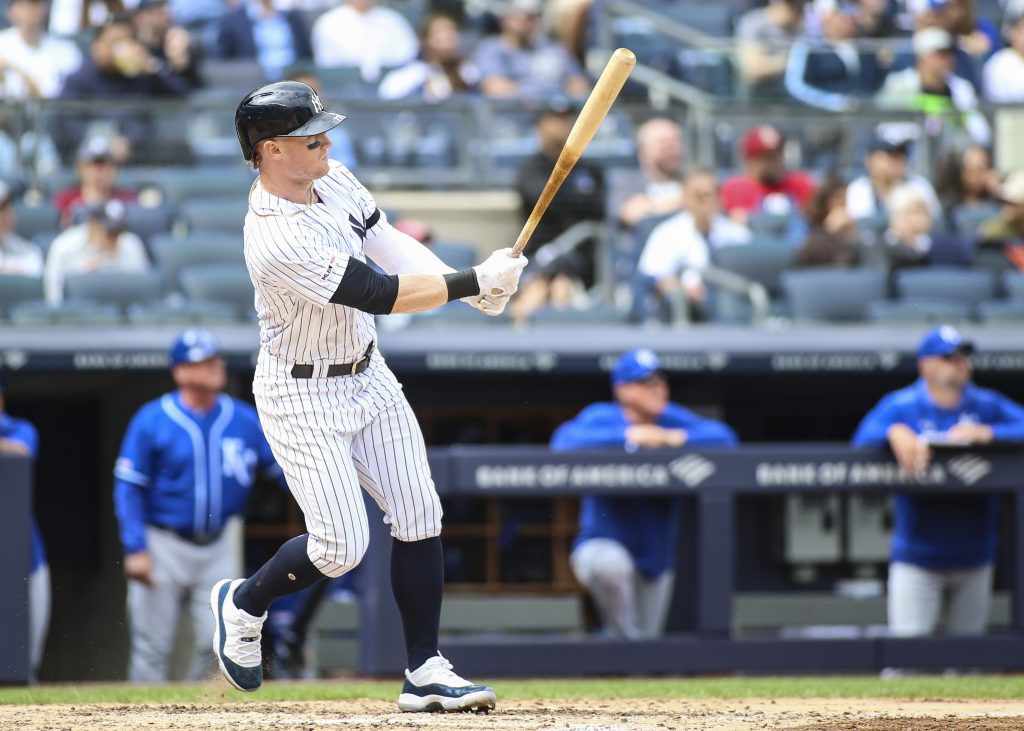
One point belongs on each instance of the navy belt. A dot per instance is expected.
(185, 535)
(305, 370)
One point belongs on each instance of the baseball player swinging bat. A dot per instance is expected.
(593, 113)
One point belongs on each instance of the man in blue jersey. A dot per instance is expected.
(943, 546)
(624, 553)
(186, 465)
(18, 436)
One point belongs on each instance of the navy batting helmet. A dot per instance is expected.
(282, 109)
(194, 346)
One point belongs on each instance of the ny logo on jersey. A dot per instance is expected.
(237, 461)
(358, 226)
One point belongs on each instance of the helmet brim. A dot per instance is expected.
(320, 123)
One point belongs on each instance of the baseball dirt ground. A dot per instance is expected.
(816, 714)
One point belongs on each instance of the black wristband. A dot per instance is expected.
(462, 284)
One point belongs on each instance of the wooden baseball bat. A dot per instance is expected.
(593, 113)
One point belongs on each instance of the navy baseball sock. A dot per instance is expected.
(289, 571)
(417, 580)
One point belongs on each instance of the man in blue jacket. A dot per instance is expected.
(943, 547)
(186, 465)
(625, 550)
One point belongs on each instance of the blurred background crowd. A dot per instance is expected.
(802, 159)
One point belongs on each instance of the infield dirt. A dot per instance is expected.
(606, 715)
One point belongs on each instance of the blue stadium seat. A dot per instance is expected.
(15, 289)
(758, 262)
(832, 295)
(967, 219)
(457, 256)
(1001, 311)
(172, 254)
(35, 219)
(114, 287)
(597, 315)
(181, 184)
(227, 283)
(1013, 284)
(917, 311)
(940, 284)
(149, 221)
(69, 312)
(774, 225)
(182, 313)
(221, 213)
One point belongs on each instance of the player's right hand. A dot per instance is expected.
(499, 274)
(138, 566)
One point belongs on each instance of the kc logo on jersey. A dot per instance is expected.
(238, 462)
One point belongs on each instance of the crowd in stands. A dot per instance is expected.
(641, 238)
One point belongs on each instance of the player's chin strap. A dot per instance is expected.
(305, 207)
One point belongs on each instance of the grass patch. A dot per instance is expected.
(980, 687)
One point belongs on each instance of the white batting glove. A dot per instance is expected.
(499, 274)
(488, 304)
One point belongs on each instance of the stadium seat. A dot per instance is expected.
(172, 254)
(873, 225)
(180, 314)
(992, 259)
(35, 219)
(967, 219)
(917, 311)
(1001, 311)
(15, 289)
(224, 213)
(181, 184)
(70, 312)
(758, 262)
(227, 283)
(233, 78)
(596, 315)
(451, 316)
(832, 295)
(44, 239)
(457, 256)
(115, 287)
(1013, 284)
(942, 284)
(149, 221)
(775, 225)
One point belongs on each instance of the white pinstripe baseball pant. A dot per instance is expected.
(332, 436)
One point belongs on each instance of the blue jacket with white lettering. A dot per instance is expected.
(185, 471)
(646, 526)
(942, 532)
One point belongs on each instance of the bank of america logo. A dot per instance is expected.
(969, 468)
(692, 469)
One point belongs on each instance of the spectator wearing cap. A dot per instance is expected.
(910, 239)
(832, 73)
(97, 171)
(764, 36)
(1006, 231)
(558, 268)
(656, 186)
(101, 242)
(256, 29)
(360, 34)
(521, 62)
(975, 37)
(943, 547)
(931, 87)
(885, 168)
(625, 550)
(171, 45)
(681, 247)
(33, 63)
(17, 256)
(765, 184)
(439, 71)
(19, 437)
(1003, 74)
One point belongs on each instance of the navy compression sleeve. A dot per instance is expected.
(365, 289)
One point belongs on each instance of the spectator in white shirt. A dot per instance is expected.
(1003, 75)
(100, 243)
(17, 256)
(886, 168)
(33, 64)
(679, 248)
(360, 34)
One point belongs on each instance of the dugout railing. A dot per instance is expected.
(713, 480)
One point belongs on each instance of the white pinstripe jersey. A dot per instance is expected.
(296, 263)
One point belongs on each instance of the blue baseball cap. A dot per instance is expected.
(194, 346)
(636, 365)
(943, 340)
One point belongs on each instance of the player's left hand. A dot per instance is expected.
(489, 304)
(970, 433)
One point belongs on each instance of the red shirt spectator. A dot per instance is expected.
(765, 183)
(97, 169)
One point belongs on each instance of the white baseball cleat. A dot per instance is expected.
(236, 638)
(433, 686)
